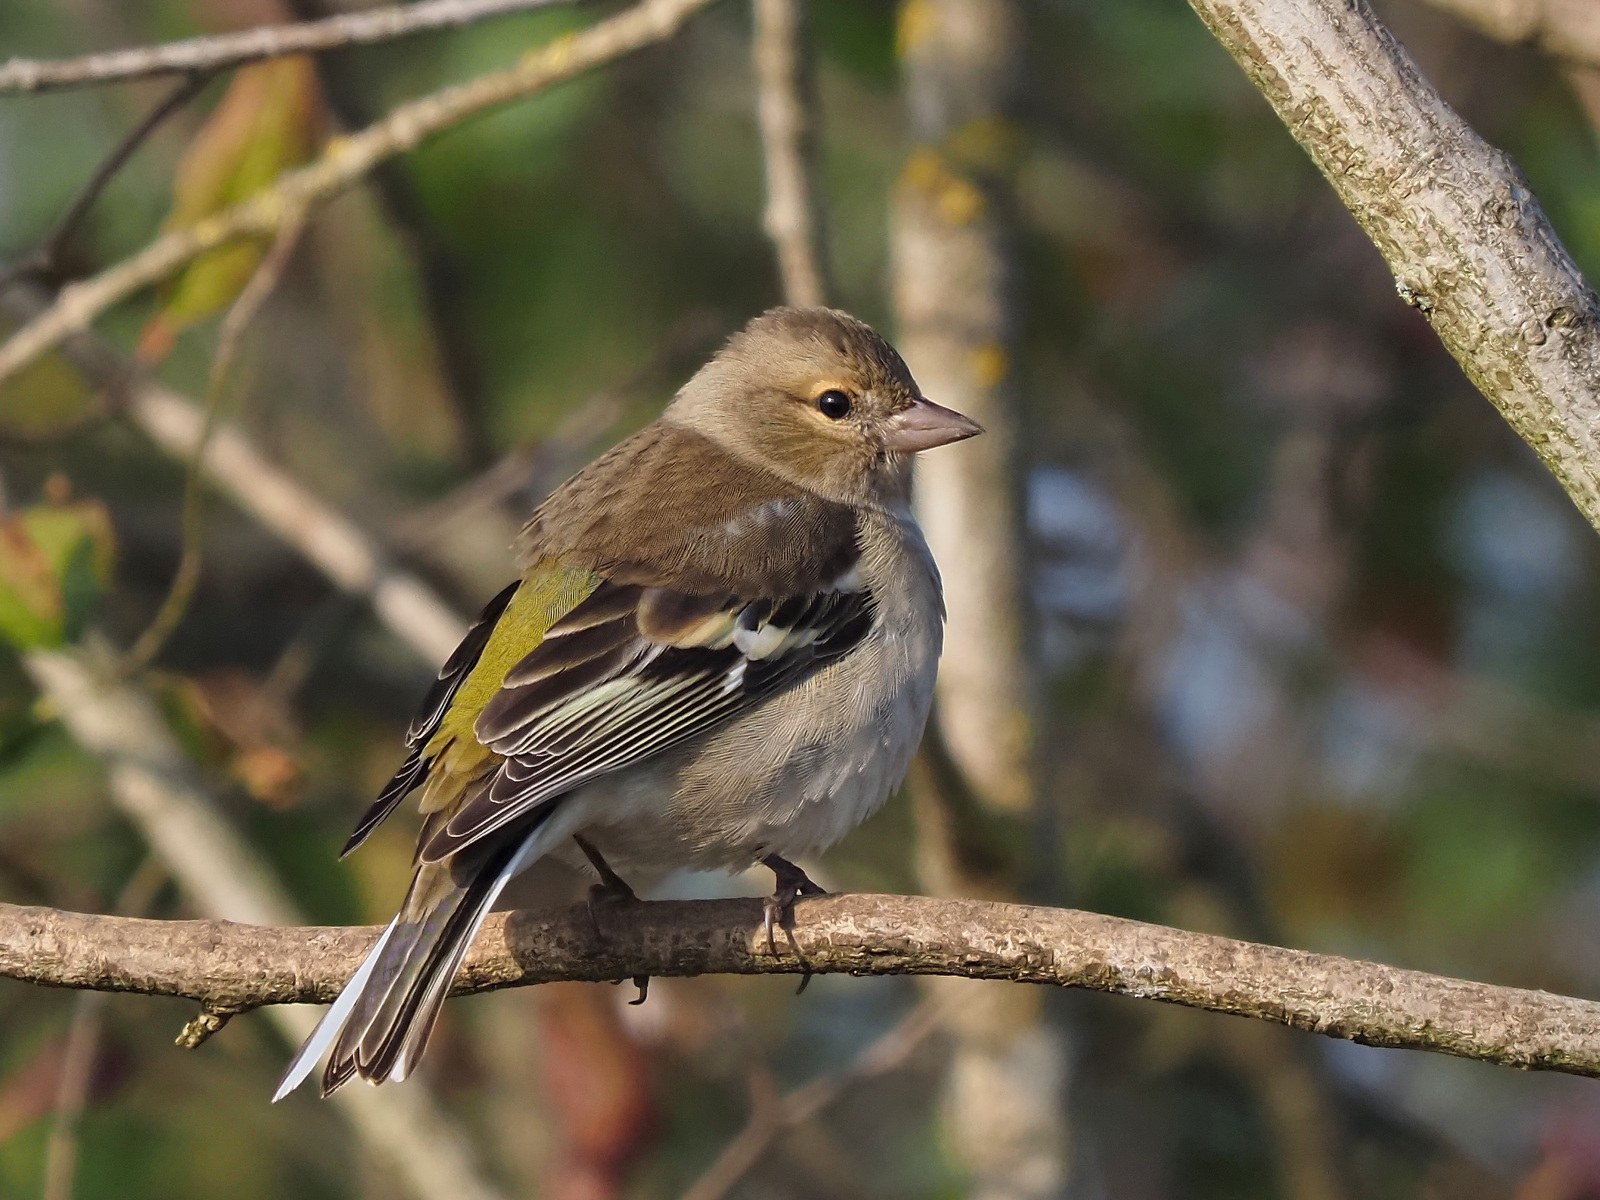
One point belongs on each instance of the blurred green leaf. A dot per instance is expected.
(55, 560)
(265, 124)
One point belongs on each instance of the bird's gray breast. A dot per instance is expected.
(799, 772)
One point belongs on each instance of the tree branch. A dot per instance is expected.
(784, 114)
(442, 273)
(180, 592)
(345, 160)
(342, 551)
(1454, 218)
(225, 966)
(772, 1116)
(252, 45)
(352, 559)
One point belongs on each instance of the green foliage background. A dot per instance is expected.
(1178, 261)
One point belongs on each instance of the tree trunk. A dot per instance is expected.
(953, 309)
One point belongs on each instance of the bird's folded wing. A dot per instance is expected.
(631, 671)
(511, 624)
(429, 713)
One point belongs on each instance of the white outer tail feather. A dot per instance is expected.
(332, 1023)
(519, 861)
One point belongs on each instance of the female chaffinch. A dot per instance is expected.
(721, 651)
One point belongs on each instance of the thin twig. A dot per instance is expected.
(336, 546)
(298, 659)
(201, 1028)
(83, 1048)
(72, 1094)
(350, 558)
(441, 270)
(770, 1117)
(263, 281)
(251, 45)
(342, 163)
(783, 107)
(45, 261)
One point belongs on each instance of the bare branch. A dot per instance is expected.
(156, 786)
(234, 967)
(782, 95)
(1455, 219)
(83, 1049)
(251, 45)
(343, 552)
(535, 470)
(346, 554)
(343, 162)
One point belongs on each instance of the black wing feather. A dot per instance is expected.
(620, 696)
(429, 713)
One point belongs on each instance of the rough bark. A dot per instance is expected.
(234, 967)
(1453, 217)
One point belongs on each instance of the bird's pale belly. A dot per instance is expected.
(791, 778)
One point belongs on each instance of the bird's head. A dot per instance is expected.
(817, 397)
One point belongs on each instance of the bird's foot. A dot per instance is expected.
(778, 908)
(611, 892)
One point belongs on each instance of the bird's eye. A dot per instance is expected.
(833, 404)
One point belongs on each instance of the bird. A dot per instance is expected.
(720, 651)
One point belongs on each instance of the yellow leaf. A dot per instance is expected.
(267, 122)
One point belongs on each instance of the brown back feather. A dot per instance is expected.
(668, 507)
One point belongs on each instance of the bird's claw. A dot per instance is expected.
(610, 892)
(778, 908)
(778, 911)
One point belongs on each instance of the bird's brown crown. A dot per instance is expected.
(807, 393)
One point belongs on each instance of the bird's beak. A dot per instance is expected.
(925, 425)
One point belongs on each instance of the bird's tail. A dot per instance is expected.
(379, 1025)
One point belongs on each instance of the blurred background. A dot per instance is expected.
(1292, 638)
